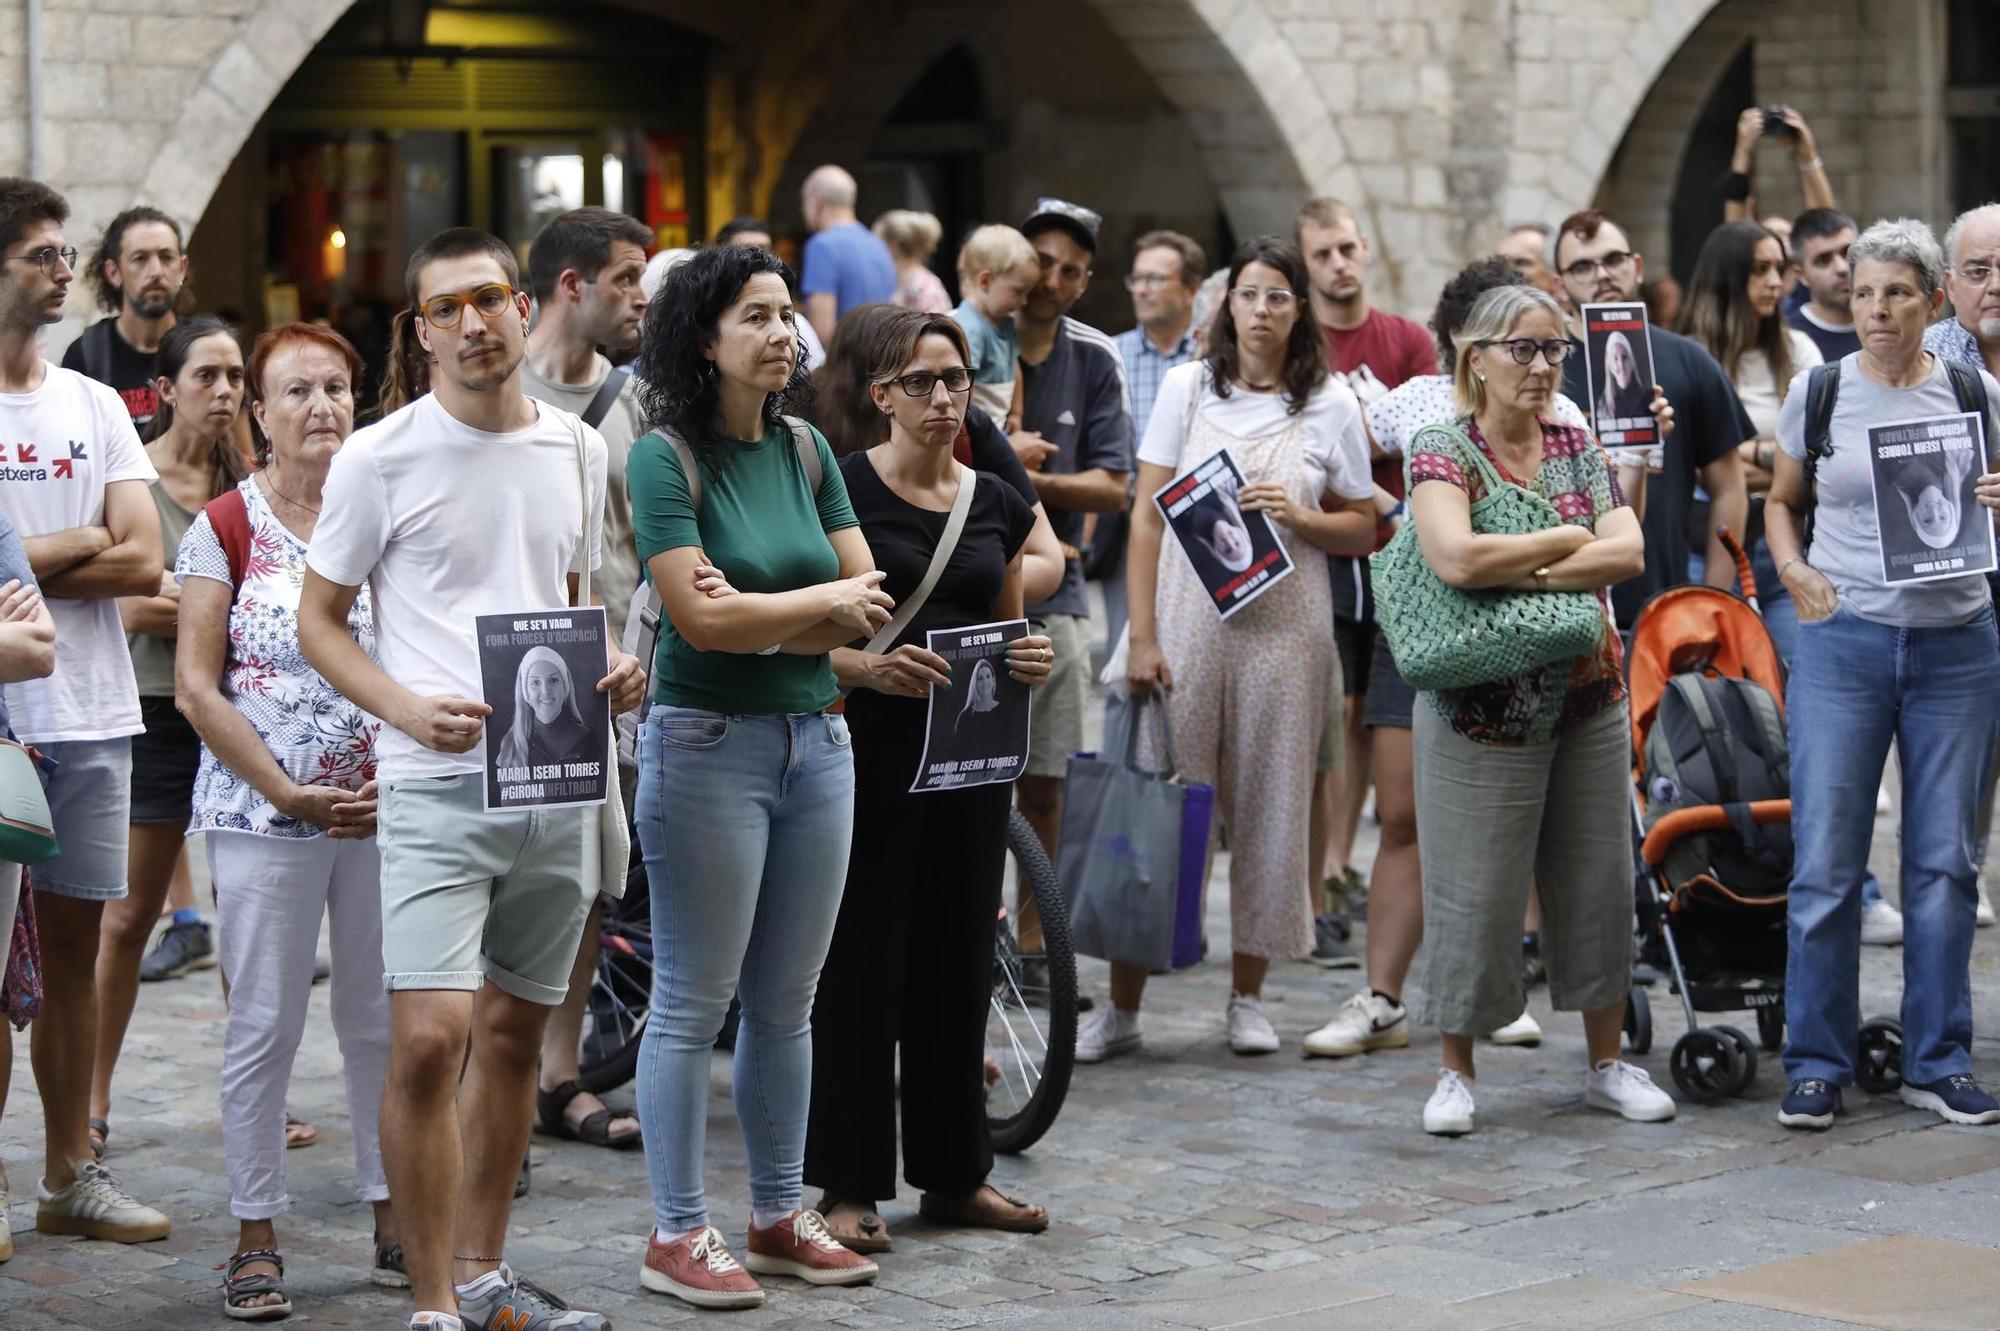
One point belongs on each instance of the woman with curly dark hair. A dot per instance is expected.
(1248, 696)
(745, 802)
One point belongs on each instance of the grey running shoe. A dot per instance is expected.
(1330, 946)
(182, 948)
(521, 1305)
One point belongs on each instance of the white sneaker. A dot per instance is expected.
(1626, 1091)
(95, 1207)
(435, 1322)
(1107, 1033)
(6, 1234)
(1523, 1030)
(1249, 1029)
(1364, 1023)
(1448, 1113)
(1883, 804)
(1881, 924)
(1982, 915)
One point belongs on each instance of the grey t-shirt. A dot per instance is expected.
(1847, 543)
(618, 576)
(1078, 401)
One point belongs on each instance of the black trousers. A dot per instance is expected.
(912, 963)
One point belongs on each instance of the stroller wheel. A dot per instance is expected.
(1746, 1057)
(1771, 1027)
(1707, 1064)
(1638, 1021)
(1879, 1068)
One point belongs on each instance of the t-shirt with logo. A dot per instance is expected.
(108, 358)
(1377, 355)
(1077, 400)
(446, 523)
(60, 446)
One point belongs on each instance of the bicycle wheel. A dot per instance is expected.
(1031, 1032)
(621, 992)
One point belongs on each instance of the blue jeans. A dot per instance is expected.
(1858, 686)
(745, 823)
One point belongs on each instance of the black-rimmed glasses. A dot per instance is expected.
(921, 383)
(1585, 269)
(1555, 351)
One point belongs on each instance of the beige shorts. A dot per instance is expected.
(1056, 727)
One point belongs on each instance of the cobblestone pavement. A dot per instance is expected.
(1191, 1188)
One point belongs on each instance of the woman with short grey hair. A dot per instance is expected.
(1524, 778)
(1894, 645)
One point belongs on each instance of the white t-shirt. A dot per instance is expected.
(1336, 446)
(445, 523)
(63, 443)
(1396, 416)
(1758, 390)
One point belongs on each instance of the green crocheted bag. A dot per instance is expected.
(1446, 637)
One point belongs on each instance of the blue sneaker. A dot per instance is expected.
(1810, 1103)
(1957, 1099)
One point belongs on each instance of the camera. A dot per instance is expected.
(1774, 123)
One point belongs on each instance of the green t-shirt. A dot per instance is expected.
(762, 525)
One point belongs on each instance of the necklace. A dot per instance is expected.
(272, 486)
(1271, 387)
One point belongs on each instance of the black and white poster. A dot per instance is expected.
(548, 738)
(977, 732)
(1237, 555)
(1924, 472)
(1618, 367)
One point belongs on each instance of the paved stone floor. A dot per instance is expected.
(1191, 1189)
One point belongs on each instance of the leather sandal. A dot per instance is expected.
(100, 1137)
(299, 1133)
(977, 1211)
(238, 1289)
(594, 1129)
(870, 1234)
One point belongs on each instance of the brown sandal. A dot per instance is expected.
(975, 1211)
(871, 1234)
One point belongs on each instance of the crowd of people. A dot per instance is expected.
(257, 625)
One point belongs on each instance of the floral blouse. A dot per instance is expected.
(316, 735)
(1577, 478)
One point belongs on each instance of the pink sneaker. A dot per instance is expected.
(697, 1268)
(799, 1245)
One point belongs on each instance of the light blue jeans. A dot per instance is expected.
(745, 823)
(1858, 686)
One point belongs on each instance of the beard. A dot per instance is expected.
(154, 303)
(1989, 329)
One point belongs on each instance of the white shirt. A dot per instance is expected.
(445, 523)
(1757, 389)
(1336, 446)
(63, 444)
(1395, 417)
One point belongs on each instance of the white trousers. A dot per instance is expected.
(10, 898)
(269, 895)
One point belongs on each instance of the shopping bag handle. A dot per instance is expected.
(1129, 749)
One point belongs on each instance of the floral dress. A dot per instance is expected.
(317, 736)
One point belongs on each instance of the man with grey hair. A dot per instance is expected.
(1972, 249)
(1526, 247)
(846, 264)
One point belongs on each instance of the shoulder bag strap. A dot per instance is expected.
(690, 468)
(230, 517)
(807, 448)
(582, 596)
(607, 393)
(1822, 392)
(954, 526)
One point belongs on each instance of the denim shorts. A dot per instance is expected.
(470, 896)
(90, 804)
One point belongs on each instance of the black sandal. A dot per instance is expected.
(390, 1270)
(595, 1129)
(237, 1289)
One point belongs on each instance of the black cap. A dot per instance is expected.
(1080, 222)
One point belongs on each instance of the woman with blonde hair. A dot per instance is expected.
(912, 237)
(547, 727)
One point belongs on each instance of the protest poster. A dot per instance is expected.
(549, 736)
(977, 730)
(1618, 369)
(1923, 473)
(1236, 555)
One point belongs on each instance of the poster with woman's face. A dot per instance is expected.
(1237, 555)
(1618, 367)
(1924, 472)
(548, 738)
(977, 732)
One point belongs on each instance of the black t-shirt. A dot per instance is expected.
(992, 453)
(108, 358)
(1709, 421)
(903, 537)
(1833, 343)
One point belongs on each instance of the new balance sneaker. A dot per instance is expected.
(1523, 1030)
(1957, 1099)
(1249, 1029)
(510, 1303)
(1331, 946)
(435, 1322)
(182, 948)
(95, 1207)
(1364, 1023)
(1448, 1113)
(1627, 1091)
(1881, 924)
(696, 1268)
(1809, 1103)
(1107, 1033)
(800, 1246)
(1982, 914)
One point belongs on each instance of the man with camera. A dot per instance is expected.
(1787, 126)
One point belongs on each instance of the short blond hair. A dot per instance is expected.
(997, 249)
(911, 235)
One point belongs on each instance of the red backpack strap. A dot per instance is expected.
(230, 517)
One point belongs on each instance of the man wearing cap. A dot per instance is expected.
(1076, 441)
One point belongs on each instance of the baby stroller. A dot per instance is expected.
(1712, 825)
